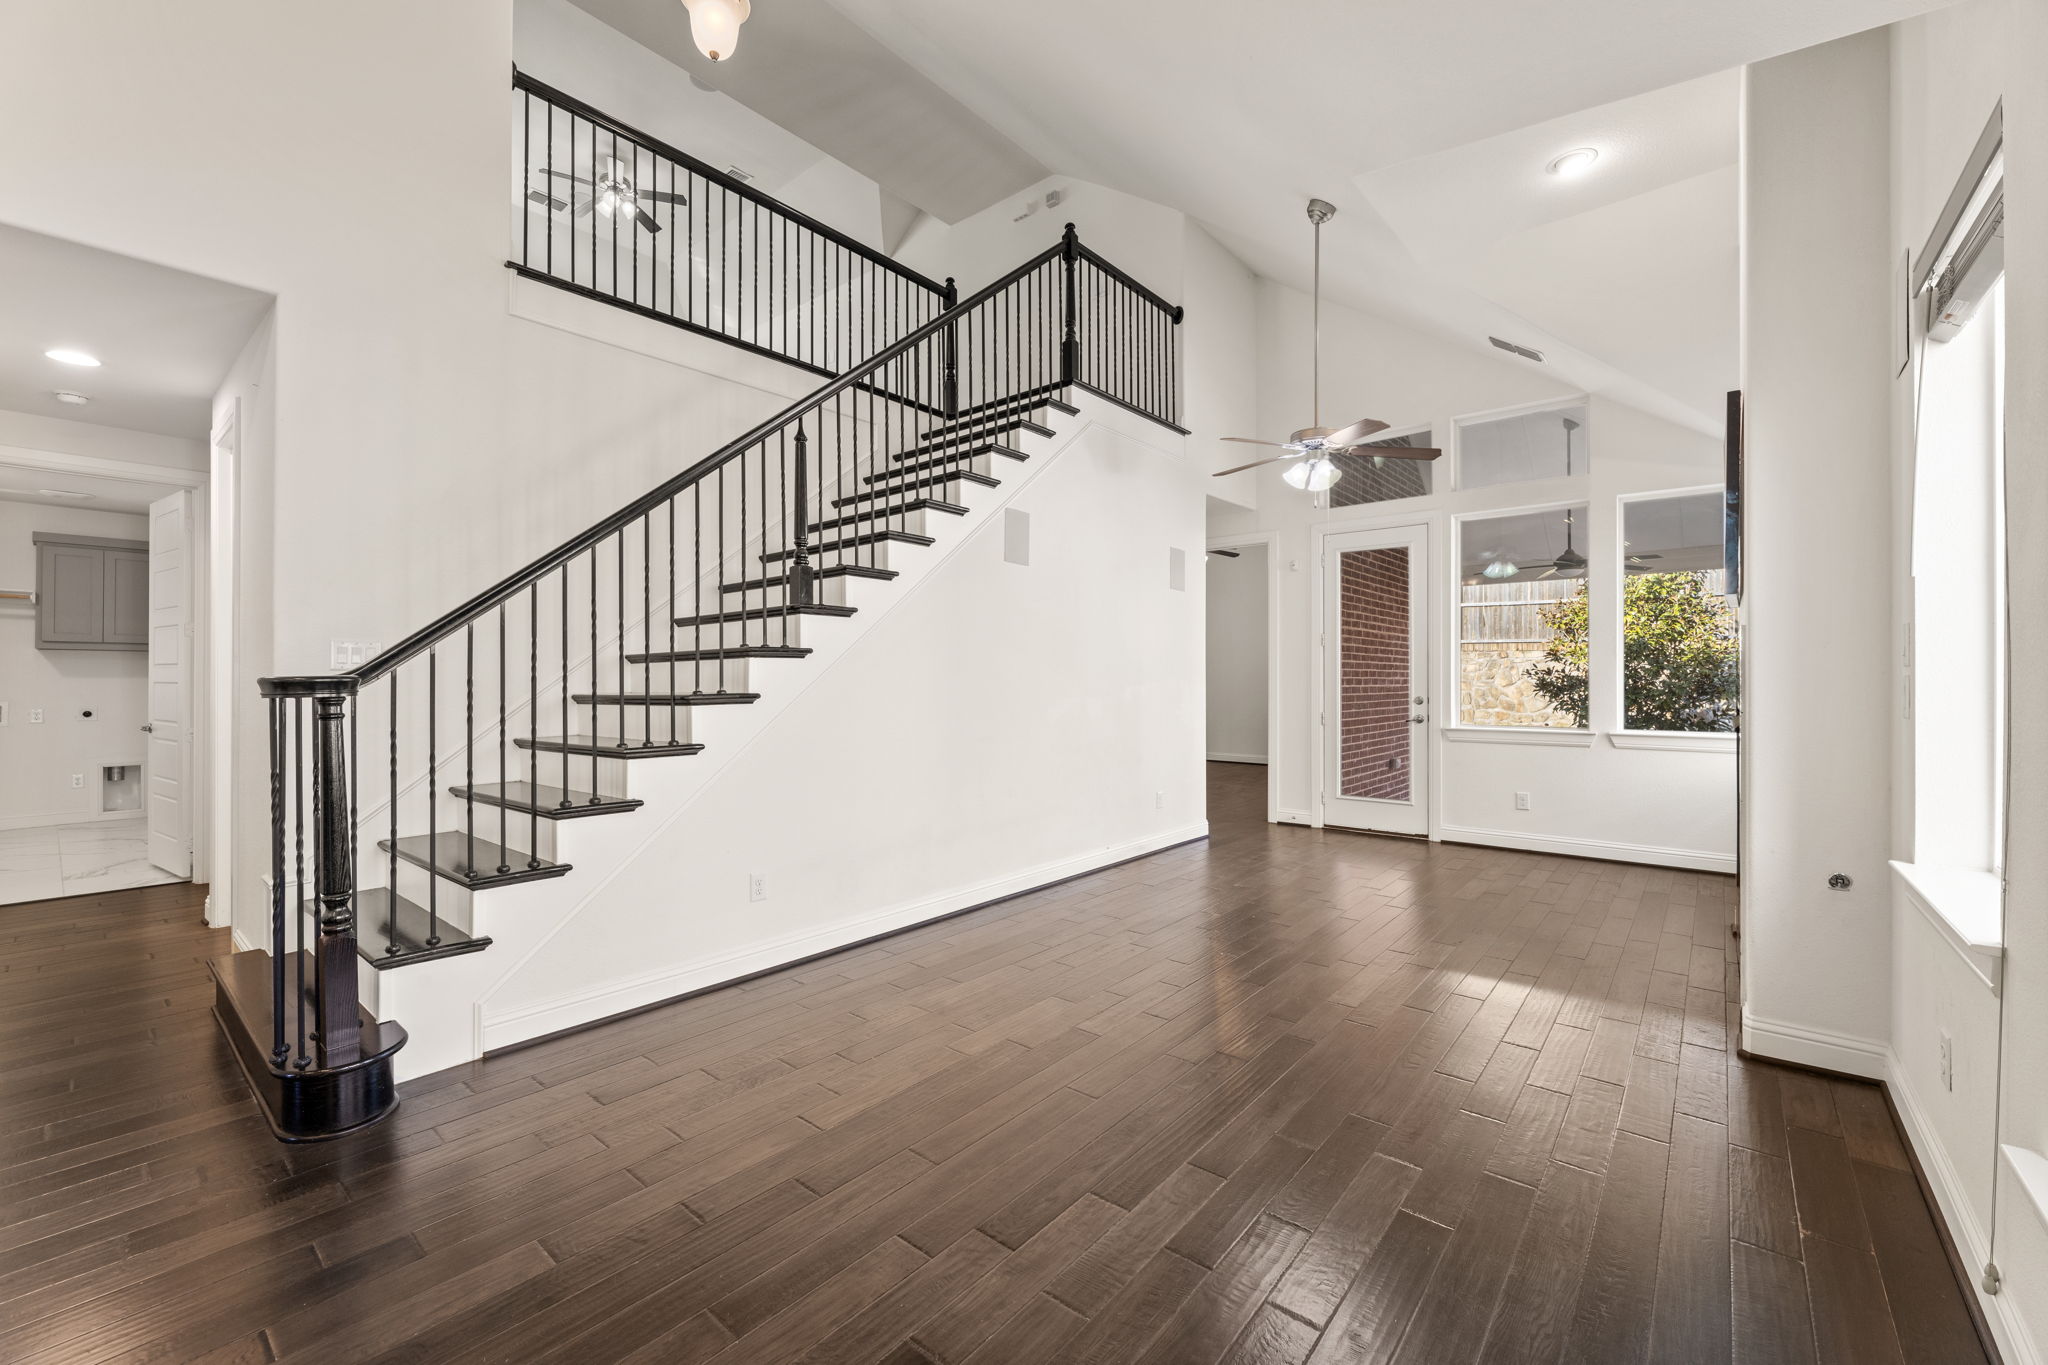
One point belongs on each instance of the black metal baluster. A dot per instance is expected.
(564, 803)
(646, 631)
(469, 750)
(391, 851)
(594, 745)
(433, 804)
(279, 1050)
(533, 725)
(620, 605)
(549, 188)
(718, 577)
(671, 619)
(504, 773)
(299, 870)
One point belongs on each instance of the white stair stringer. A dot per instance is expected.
(443, 1003)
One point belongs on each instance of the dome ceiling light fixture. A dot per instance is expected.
(1315, 447)
(715, 25)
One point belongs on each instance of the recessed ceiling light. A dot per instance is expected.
(68, 396)
(64, 493)
(68, 355)
(1574, 163)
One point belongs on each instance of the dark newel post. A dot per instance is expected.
(339, 1029)
(1070, 337)
(799, 588)
(948, 302)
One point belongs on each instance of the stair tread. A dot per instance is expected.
(1029, 409)
(715, 653)
(550, 803)
(894, 509)
(757, 613)
(447, 855)
(665, 698)
(911, 461)
(846, 543)
(605, 746)
(375, 936)
(833, 571)
(976, 430)
(886, 485)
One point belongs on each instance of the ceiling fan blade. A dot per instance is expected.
(542, 197)
(1395, 452)
(569, 175)
(1277, 459)
(661, 196)
(1637, 556)
(584, 209)
(1255, 441)
(1353, 434)
(647, 220)
(1550, 572)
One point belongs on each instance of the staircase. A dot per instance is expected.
(448, 792)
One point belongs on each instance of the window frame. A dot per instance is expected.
(1454, 450)
(1618, 732)
(1456, 729)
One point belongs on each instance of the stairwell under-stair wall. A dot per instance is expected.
(980, 728)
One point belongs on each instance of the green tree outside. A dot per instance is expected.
(1679, 655)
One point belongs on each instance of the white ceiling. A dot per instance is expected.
(165, 339)
(1236, 114)
(818, 74)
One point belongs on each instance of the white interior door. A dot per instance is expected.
(168, 764)
(1375, 693)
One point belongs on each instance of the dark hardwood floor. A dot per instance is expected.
(1287, 1096)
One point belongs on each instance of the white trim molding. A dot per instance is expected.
(1677, 741)
(1293, 817)
(528, 1022)
(1966, 908)
(124, 471)
(1804, 1045)
(1690, 859)
(1505, 734)
(1259, 759)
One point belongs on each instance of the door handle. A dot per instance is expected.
(1417, 720)
(149, 729)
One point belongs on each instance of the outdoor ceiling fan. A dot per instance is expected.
(612, 194)
(1313, 447)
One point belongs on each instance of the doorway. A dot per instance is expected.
(1376, 771)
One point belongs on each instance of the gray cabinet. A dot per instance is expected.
(91, 592)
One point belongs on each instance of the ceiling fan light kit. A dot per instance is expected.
(1314, 447)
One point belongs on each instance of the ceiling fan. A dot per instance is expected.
(611, 194)
(1570, 564)
(1313, 447)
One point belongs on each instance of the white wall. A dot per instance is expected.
(1818, 498)
(37, 761)
(1219, 361)
(1593, 799)
(1237, 655)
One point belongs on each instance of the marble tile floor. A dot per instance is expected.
(49, 861)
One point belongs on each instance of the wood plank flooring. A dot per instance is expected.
(1285, 1096)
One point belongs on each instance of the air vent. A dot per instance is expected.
(736, 173)
(1522, 351)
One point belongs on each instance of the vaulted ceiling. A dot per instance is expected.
(1427, 124)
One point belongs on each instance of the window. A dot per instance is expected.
(1532, 445)
(1958, 678)
(1522, 619)
(1680, 659)
(1375, 478)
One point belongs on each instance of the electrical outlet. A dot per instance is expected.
(757, 886)
(3, 713)
(1948, 1061)
(1521, 800)
(1159, 800)
(77, 780)
(35, 715)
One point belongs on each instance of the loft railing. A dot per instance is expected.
(428, 770)
(610, 212)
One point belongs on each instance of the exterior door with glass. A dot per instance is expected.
(1375, 698)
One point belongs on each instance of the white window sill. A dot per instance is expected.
(1503, 734)
(1682, 741)
(1966, 908)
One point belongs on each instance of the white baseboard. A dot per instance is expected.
(519, 1025)
(1294, 817)
(52, 819)
(1803, 1045)
(1696, 860)
(1259, 759)
(242, 945)
(2015, 1342)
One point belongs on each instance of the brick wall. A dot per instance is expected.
(1373, 674)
